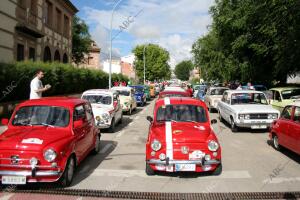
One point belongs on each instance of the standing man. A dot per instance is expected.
(36, 86)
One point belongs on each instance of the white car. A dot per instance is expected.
(106, 107)
(246, 108)
(213, 96)
(127, 98)
(174, 88)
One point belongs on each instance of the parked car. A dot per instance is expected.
(139, 94)
(280, 97)
(180, 138)
(285, 132)
(197, 88)
(174, 88)
(170, 93)
(152, 91)
(106, 107)
(147, 92)
(46, 140)
(127, 100)
(213, 96)
(157, 89)
(246, 108)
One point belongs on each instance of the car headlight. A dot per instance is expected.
(272, 116)
(33, 161)
(105, 116)
(50, 155)
(244, 116)
(155, 145)
(213, 145)
(98, 118)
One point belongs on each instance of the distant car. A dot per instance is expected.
(280, 97)
(170, 93)
(157, 89)
(139, 94)
(152, 91)
(147, 92)
(181, 138)
(246, 108)
(261, 88)
(46, 140)
(174, 88)
(200, 94)
(198, 88)
(106, 107)
(286, 130)
(213, 96)
(127, 99)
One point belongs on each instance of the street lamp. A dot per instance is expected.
(110, 36)
(144, 65)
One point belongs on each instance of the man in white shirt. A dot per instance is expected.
(36, 86)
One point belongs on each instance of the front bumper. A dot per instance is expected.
(173, 162)
(28, 173)
(254, 124)
(103, 124)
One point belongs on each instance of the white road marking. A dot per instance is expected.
(281, 180)
(105, 148)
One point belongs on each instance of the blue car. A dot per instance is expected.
(139, 94)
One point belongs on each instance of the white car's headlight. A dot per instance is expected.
(155, 145)
(105, 116)
(272, 116)
(213, 145)
(244, 116)
(50, 155)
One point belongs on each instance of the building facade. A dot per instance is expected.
(127, 66)
(115, 66)
(91, 60)
(36, 30)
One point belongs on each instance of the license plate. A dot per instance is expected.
(185, 167)
(16, 180)
(258, 126)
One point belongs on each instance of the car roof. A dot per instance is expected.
(99, 91)
(284, 88)
(243, 91)
(54, 101)
(212, 88)
(179, 100)
(122, 88)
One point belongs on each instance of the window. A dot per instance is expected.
(47, 54)
(48, 13)
(79, 113)
(66, 26)
(277, 96)
(65, 58)
(98, 99)
(32, 54)
(58, 21)
(57, 56)
(297, 115)
(287, 112)
(89, 112)
(20, 52)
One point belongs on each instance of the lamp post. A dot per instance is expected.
(110, 36)
(144, 65)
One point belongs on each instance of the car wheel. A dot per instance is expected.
(96, 149)
(149, 171)
(112, 126)
(276, 144)
(218, 170)
(233, 127)
(67, 177)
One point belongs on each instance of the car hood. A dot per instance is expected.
(182, 132)
(125, 99)
(31, 138)
(254, 108)
(101, 108)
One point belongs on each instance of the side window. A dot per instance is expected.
(79, 113)
(277, 96)
(297, 115)
(287, 112)
(89, 112)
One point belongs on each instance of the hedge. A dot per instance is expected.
(15, 79)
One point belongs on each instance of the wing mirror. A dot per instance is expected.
(213, 121)
(4, 121)
(150, 119)
(78, 123)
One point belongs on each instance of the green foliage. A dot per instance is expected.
(251, 41)
(15, 79)
(182, 70)
(195, 81)
(81, 39)
(157, 66)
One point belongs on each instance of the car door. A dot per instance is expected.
(284, 126)
(294, 132)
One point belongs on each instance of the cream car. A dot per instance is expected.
(213, 96)
(127, 98)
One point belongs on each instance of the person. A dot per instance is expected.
(36, 86)
(189, 90)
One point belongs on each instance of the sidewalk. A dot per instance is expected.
(2, 129)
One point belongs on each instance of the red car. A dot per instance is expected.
(181, 138)
(286, 130)
(46, 139)
(164, 94)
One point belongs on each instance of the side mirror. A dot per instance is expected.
(213, 121)
(150, 119)
(78, 123)
(4, 121)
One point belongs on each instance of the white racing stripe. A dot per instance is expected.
(169, 142)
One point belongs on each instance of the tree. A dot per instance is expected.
(182, 70)
(157, 58)
(81, 40)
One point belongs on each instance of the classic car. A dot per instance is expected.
(152, 90)
(280, 97)
(181, 138)
(147, 92)
(46, 140)
(198, 88)
(285, 132)
(174, 88)
(139, 94)
(157, 88)
(213, 96)
(170, 93)
(127, 100)
(246, 108)
(106, 107)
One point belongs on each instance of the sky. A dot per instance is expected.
(173, 24)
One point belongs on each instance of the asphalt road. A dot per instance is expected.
(250, 164)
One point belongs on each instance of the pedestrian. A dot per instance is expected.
(36, 86)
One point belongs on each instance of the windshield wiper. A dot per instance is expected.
(23, 124)
(190, 121)
(44, 124)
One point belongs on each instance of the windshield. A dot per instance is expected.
(181, 113)
(98, 99)
(139, 89)
(42, 115)
(291, 94)
(248, 98)
(124, 92)
(217, 91)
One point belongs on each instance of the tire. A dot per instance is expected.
(149, 171)
(218, 170)
(97, 148)
(275, 142)
(112, 126)
(67, 177)
(233, 127)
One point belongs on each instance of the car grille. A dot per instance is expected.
(259, 116)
